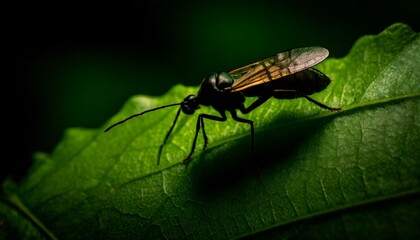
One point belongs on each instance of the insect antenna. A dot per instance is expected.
(138, 114)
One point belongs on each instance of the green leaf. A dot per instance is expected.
(318, 174)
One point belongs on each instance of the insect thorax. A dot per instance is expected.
(211, 91)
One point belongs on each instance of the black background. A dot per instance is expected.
(73, 64)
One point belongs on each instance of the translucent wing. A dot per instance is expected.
(277, 66)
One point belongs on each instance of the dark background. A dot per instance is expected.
(74, 64)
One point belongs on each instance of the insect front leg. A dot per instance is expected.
(200, 123)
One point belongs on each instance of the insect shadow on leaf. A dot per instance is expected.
(228, 170)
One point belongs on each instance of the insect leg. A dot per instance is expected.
(206, 139)
(251, 123)
(332, 109)
(310, 99)
(255, 104)
(167, 135)
(200, 121)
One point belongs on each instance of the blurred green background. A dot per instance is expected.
(74, 64)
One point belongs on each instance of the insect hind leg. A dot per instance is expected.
(299, 94)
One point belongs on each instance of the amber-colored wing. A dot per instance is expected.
(277, 66)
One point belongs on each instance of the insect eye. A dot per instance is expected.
(224, 80)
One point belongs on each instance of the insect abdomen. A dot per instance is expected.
(307, 82)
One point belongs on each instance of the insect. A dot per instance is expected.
(286, 75)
